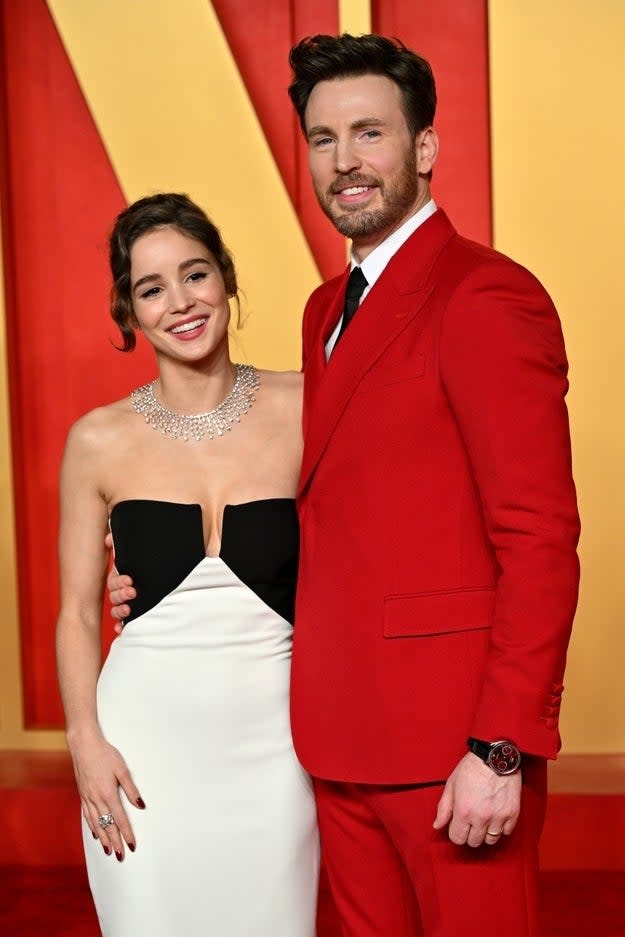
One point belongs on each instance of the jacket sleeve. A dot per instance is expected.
(504, 370)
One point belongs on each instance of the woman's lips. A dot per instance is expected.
(186, 331)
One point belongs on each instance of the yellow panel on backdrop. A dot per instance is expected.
(355, 17)
(173, 114)
(557, 87)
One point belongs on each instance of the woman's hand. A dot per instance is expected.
(100, 772)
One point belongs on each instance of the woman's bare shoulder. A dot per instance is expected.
(97, 429)
(283, 389)
(285, 382)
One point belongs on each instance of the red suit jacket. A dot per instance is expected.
(438, 574)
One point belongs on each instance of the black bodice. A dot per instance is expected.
(158, 543)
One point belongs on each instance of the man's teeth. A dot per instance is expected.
(188, 326)
(355, 190)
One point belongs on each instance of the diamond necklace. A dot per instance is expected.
(195, 426)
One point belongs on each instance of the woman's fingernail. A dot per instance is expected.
(132, 846)
(119, 856)
(107, 850)
(95, 835)
(139, 803)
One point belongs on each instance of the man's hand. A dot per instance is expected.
(479, 805)
(120, 591)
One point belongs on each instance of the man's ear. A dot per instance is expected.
(427, 150)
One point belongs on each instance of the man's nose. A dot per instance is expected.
(346, 157)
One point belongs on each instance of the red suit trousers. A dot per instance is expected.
(393, 875)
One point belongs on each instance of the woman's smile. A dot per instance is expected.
(190, 329)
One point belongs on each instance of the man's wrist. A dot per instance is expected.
(502, 756)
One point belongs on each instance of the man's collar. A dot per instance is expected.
(373, 265)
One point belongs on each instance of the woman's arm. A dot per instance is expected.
(100, 769)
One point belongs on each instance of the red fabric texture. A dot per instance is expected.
(391, 873)
(436, 466)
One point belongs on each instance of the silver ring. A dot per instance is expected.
(105, 820)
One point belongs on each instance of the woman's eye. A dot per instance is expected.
(197, 275)
(153, 291)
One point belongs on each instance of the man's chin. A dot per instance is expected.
(359, 223)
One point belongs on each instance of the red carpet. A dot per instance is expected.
(54, 901)
(43, 887)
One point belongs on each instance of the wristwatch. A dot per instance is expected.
(503, 757)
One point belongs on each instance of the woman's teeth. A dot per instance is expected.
(188, 326)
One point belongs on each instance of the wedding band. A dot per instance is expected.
(489, 833)
(105, 820)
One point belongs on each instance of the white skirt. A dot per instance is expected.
(195, 695)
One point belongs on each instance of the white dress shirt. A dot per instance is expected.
(373, 265)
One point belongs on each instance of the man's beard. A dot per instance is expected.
(397, 200)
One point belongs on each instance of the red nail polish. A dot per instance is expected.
(106, 850)
(95, 835)
(119, 856)
(139, 803)
(132, 846)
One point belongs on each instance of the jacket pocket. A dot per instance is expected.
(430, 613)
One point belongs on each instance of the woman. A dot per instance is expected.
(181, 745)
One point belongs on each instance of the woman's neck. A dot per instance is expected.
(195, 387)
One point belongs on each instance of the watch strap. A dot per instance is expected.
(479, 747)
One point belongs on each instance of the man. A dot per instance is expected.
(438, 574)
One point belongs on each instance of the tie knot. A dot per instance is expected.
(356, 285)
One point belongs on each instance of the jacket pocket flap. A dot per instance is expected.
(430, 613)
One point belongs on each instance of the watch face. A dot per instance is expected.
(504, 758)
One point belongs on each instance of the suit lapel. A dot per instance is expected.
(316, 358)
(330, 318)
(393, 302)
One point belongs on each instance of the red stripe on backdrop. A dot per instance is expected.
(59, 204)
(453, 36)
(260, 35)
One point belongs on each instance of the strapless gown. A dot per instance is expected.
(195, 695)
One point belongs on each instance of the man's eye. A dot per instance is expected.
(323, 141)
(371, 134)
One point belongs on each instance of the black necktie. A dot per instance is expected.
(355, 288)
